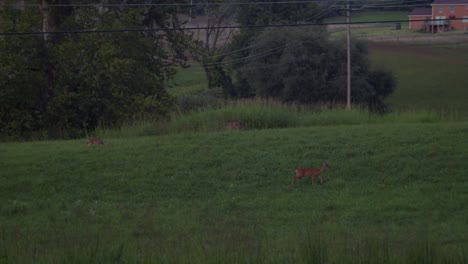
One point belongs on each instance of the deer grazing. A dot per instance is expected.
(309, 172)
(234, 126)
(95, 141)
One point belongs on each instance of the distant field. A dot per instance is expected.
(371, 16)
(188, 80)
(429, 77)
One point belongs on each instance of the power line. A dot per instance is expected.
(254, 56)
(128, 30)
(172, 4)
(375, 3)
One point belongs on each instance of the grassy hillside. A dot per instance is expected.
(397, 192)
(428, 77)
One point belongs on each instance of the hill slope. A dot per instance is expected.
(393, 190)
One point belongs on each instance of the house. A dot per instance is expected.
(444, 15)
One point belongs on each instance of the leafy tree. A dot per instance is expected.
(23, 84)
(209, 50)
(71, 83)
(264, 14)
(305, 66)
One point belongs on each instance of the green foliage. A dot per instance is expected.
(275, 13)
(262, 14)
(22, 82)
(384, 84)
(68, 84)
(207, 113)
(305, 66)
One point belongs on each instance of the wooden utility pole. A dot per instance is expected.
(348, 20)
(190, 15)
(45, 19)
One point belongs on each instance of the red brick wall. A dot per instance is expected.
(417, 25)
(459, 12)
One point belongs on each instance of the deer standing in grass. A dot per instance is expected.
(95, 141)
(314, 173)
(234, 125)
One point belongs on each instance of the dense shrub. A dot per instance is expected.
(306, 66)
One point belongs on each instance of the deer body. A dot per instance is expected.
(234, 125)
(95, 141)
(314, 173)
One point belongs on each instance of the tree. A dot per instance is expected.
(264, 14)
(77, 81)
(216, 37)
(304, 65)
(23, 85)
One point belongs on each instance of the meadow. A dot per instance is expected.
(188, 191)
(430, 77)
(371, 16)
(396, 192)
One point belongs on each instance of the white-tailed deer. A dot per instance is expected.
(234, 125)
(95, 141)
(309, 172)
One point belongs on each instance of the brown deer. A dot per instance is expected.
(95, 141)
(309, 172)
(234, 125)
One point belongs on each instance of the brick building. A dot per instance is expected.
(449, 15)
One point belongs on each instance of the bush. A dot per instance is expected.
(307, 67)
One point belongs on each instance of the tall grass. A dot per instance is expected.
(264, 114)
(306, 248)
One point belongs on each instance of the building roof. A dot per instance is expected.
(421, 12)
(448, 2)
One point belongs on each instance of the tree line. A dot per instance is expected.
(65, 85)
(68, 84)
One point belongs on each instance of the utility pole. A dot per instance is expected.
(348, 20)
(190, 15)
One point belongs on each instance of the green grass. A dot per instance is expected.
(264, 114)
(428, 77)
(372, 16)
(189, 80)
(397, 193)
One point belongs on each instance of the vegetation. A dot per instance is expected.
(185, 189)
(396, 193)
(371, 16)
(66, 84)
(265, 114)
(430, 77)
(304, 65)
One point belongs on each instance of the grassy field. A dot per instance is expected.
(371, 16)
(397, 193)
(188, 191)
(428, 77)
(189, 80)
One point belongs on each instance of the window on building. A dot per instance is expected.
(465, 19)
(452, 9)
(441, 9)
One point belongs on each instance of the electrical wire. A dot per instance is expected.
(171, 4)
(128, 30)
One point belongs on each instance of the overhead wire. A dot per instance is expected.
(128, 30)
(172, 4)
